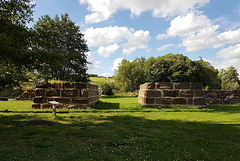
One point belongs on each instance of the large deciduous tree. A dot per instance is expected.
(207, 74)
(60, 49)
(169, 68)
(229, 78)
(130, 75)
(15, 40)
(179, 68)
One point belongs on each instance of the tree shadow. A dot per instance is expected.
(121, 137)
(105, 105)
(228, 108)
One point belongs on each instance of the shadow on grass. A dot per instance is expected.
(100, 107)
(121, 137)
(228, 108)
(105, 105)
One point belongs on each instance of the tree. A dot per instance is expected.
(59, 49)
(207, 74)
(229, 78)
(107, 88)
(169, 68)
(179, 68)
(130, 75)
(15, 40)
(11, 75)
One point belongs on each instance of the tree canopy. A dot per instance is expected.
(207, 74)
(229, 78)
(130, 75)
(15, 40)
(167, 68)
(59, 49)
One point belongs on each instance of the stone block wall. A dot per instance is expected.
(222, 96)
(72, 94)
(27, 95)
(171, 93)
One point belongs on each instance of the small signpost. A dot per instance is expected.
(54, 103)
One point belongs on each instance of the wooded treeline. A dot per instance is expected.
(55, 48)
(173, 68)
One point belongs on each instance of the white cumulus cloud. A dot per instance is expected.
(232, 52)
(186, 25)
(95, 65)
(229, 56)
(116, 63)
(198, 32)
(102, 10)
(105, 36)
(109, 39)
(138, 39)
(164, 47)
(107, 51)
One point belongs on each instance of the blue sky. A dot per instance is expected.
(117, 29)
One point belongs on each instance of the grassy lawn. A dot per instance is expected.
(100, 80)
(118, 128)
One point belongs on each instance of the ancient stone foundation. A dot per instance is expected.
(77, 95)
(222, 96)
(27, 95)
(171, 93)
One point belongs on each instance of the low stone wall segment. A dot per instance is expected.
(27, 95)
(222, 96)
(72, 94)
(171, 93)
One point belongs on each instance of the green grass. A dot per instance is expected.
(118, 128)
(100, 80)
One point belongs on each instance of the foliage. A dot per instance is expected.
(229, 78)
(59, 49)
(11, 75)
(179, 68)
(18, 12)
(15, 40)
(10, 92)
(107, 84)
(92, 75)
(130, 75)
(108, 88)
(169, 68)
(120, 129)
(207, 74)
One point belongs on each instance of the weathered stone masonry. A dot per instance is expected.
(27, 95)
(169, 93)
(74, 94)
(222, 96)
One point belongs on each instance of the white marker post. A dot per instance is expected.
(54, 103)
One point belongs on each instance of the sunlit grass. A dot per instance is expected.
(118, 128)
(100, 80)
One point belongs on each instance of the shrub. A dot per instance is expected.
(108, 88)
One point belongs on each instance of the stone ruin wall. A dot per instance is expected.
(211, 96)
(222, 96)
(171, 93)
(27, 95)
(78, 95)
